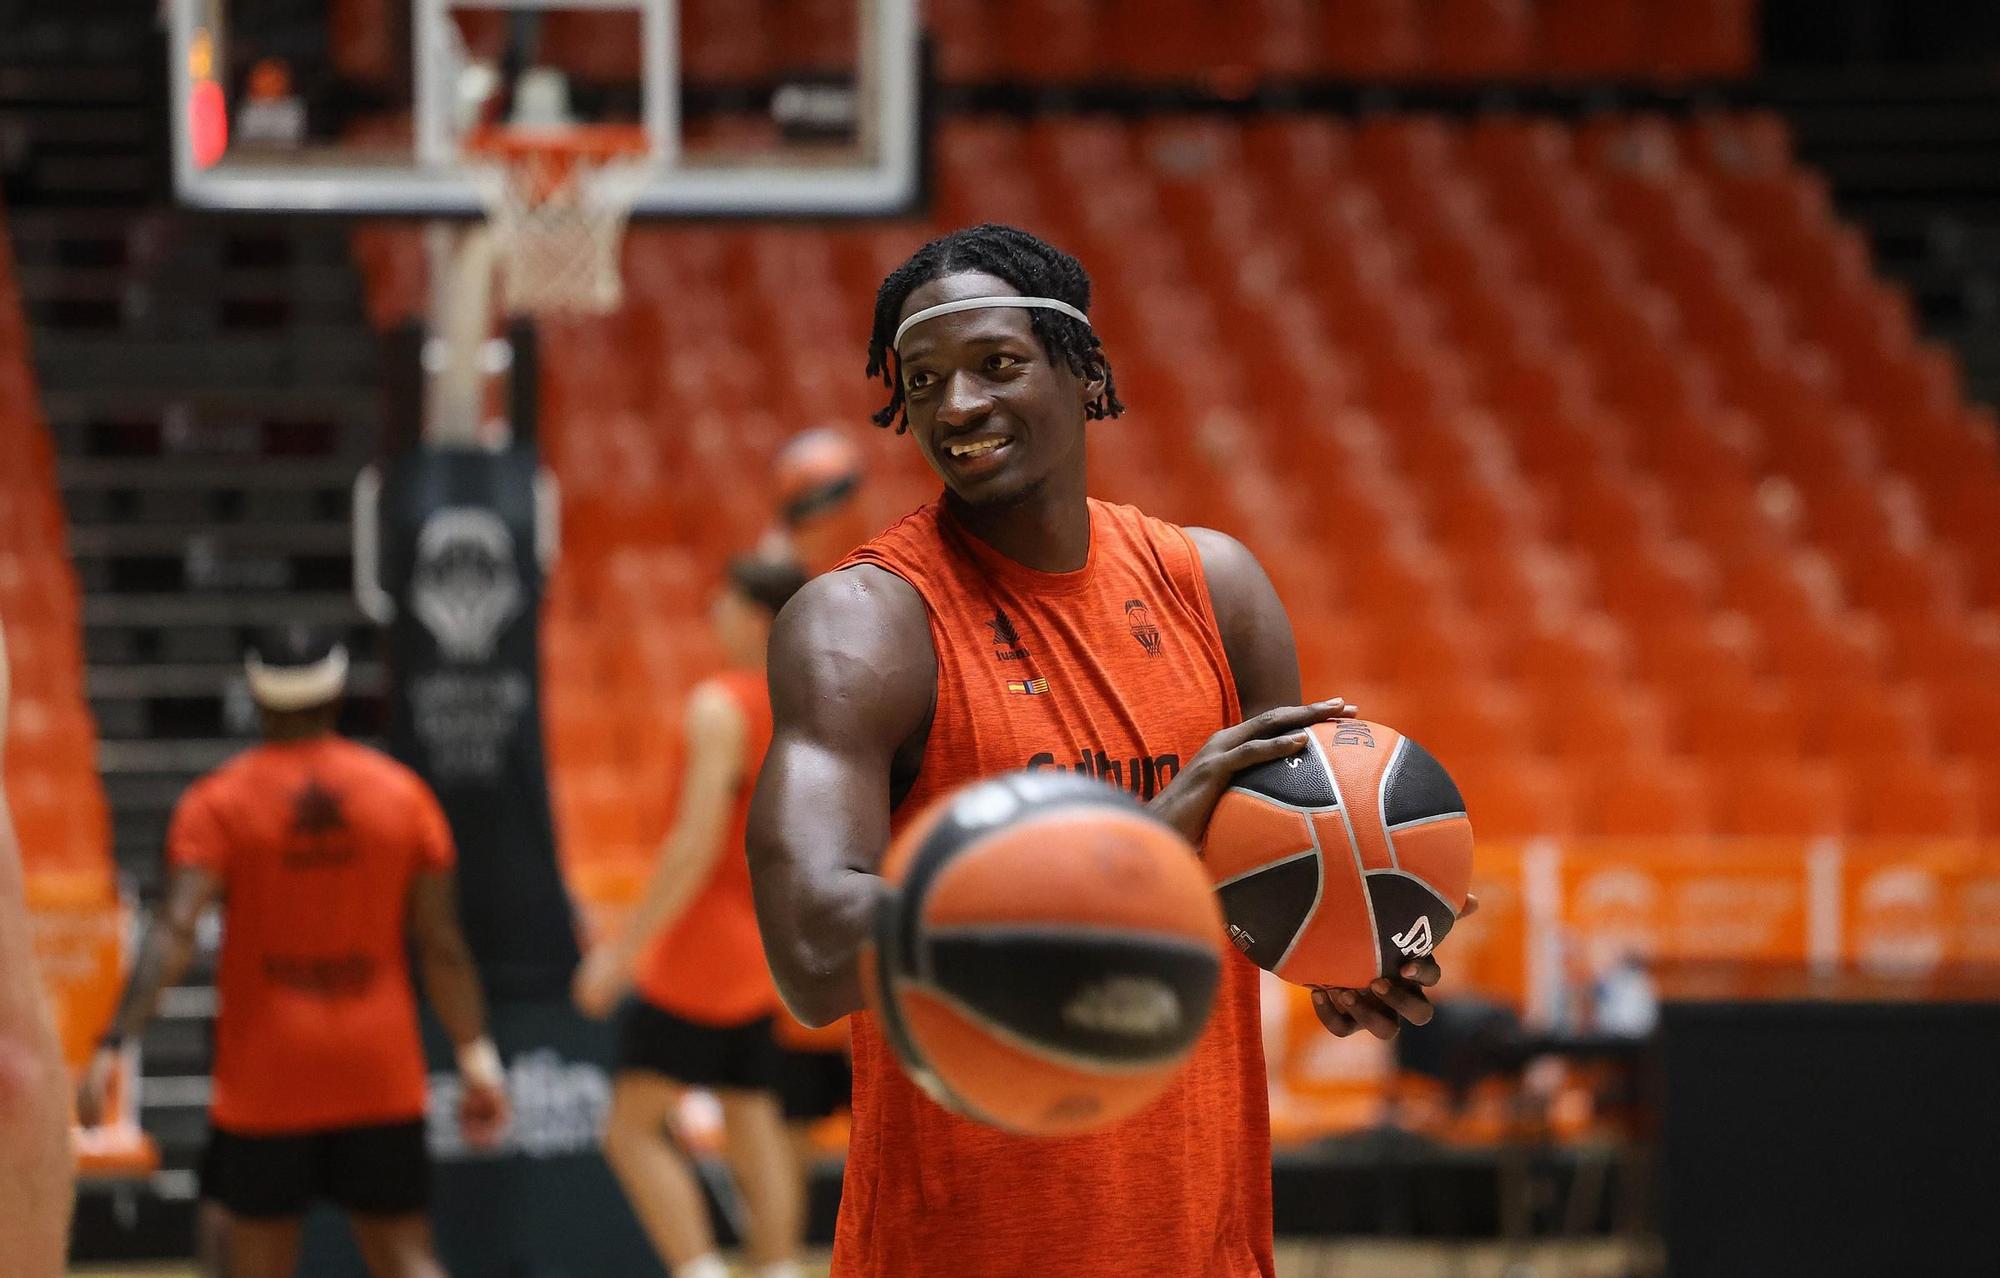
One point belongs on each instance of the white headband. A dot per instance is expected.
(297, 687)
(989, 303)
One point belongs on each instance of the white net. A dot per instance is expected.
(558, 219)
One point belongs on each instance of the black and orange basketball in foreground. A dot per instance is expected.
(1337, 865)
(1049, 955)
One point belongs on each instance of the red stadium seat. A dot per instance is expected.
(1845, 647)
(1664, 796)
(1583, 648)
(1928, 582)
(1515, 796)
(1478, 39)
(1374, 39)
(1965, 649)
(1778, 798)
(52, 782)
(1601, 721)
(1986, 775)
(1463, 720)
(1759, 722)
(1865, 719)
(1439, 644)
(1927, 798)
(1967, 716)
(1695, 650)
(1651, 580)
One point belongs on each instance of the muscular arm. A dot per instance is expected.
(168, 948)
(715, 734)
(1256, 633)
(34, 1121)
(451, 982)
(853, 678)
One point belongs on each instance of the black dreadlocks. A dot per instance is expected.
(1037, 268)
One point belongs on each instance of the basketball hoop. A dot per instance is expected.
(557, 200)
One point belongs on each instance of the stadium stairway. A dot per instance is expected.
(1914, 159)
(209, 387)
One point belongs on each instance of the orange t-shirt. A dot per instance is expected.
(316, 844)
(1115, 670)
(709, 965)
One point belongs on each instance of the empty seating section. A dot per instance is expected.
(51, 769)
(1422, 40)
(1593, 455)
(1073, 41)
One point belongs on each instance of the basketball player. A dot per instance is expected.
(818, 475)
(331, 860)
(35, 1168)
(1015, 623)
(703, 1015)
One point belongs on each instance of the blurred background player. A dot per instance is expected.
(818, 474)
(815, 1083)
(34, 1129)
(703, 1017)
(331, 861)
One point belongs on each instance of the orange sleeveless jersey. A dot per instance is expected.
(708, 966)
(1115, 670)
(316, 844)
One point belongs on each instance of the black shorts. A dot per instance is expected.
(740, 1057)
(379, 1170)
(814, 1085)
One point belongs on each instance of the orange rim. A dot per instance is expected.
(566, 145)
(544, 163)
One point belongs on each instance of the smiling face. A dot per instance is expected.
(995, 415)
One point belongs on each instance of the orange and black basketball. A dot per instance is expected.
(1337, 865)
(1050, 954)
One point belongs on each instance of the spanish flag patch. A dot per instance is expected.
(1028, 687)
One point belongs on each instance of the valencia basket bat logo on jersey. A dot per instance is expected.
(1139, 618)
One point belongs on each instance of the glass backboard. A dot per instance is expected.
(748, 107)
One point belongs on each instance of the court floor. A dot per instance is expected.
(1339, 1260)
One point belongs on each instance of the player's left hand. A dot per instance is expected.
(1382, 1008)
(601, 980)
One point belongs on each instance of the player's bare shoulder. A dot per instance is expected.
(1237, 583)
(1256, 633)
(1222, 554)
(853, 643)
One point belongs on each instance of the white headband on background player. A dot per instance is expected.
(988, 303)
(297, 687)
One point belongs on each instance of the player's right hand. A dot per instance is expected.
(1190, 798)
(482, 1113)
(93, 1092)
(483, 1108)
